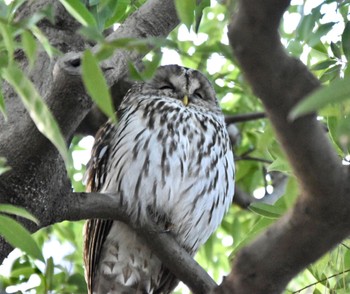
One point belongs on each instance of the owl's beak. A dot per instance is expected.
(185, 100)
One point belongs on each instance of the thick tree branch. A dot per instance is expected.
(96, 205)
(154, 19)
(321, 217)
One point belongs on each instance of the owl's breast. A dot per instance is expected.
(175, 166)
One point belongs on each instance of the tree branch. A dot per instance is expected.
(320, 219)
(154, 19)
(107, 206)
(279, 183)
(252, 158)
(232, 119)
(242, 198)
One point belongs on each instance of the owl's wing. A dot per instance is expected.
(167, 282)
(96, 230)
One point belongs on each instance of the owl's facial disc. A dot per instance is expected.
(183, 84)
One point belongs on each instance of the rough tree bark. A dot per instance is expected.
(320, 218)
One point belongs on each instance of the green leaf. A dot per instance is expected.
(37, 109)
(346, 40)
(261, 225)
(341, 134)
(19, 237)
(185, 11)
(96, 84)
(337, 91)
(323, 64)
(320, 32)
(79, 281)
(266, 210)
(79, 12)
(49, 273)
(3, 167)
(305, 27)
(13, 6)
(151, 66)
(29, 47)
(106, 49)
(19, 211)
(281, 165)
(320, 48)
(295, 48)
(199, 13)
(134, 73)
(51, 51)
(331, 73)
(92, 33)
(7, 37)
(332, 124)
(2, 106)
(25, 271)
(335, 50)
(119, 12)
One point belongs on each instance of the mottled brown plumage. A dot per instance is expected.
(170, 159)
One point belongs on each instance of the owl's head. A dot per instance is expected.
(184, 84)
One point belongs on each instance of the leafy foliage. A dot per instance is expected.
(15, 233)
(319, 35)
(96, 85)
(62, 276)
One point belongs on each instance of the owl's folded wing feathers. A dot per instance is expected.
(96, 230)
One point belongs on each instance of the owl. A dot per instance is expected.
(170, 159)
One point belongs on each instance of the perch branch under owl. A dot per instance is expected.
(104, 206)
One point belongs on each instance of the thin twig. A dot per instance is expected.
(231, 119)
(245, 153)
(242, 198)
(264, 171)
(346, 246)
(245, 157)
(321, 281)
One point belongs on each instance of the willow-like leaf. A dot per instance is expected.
(38, 110)
(19, 237)
(96, 84)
